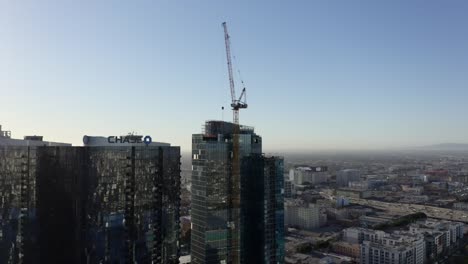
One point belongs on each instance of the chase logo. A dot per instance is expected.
(147, 140)
(131, 139)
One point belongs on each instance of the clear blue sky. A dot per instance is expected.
(319, 74)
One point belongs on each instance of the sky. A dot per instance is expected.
(319, 74)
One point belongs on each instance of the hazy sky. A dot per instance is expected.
(319, 74)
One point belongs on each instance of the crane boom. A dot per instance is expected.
(236, 104)
(229, 62)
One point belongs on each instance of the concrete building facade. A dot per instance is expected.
(311, 175)
(305, 217)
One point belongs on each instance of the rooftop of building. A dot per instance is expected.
(27, 141)
(350, 189)
(215, 127)
(431, 223)
(345, 244)
(4, 134)
(404, 246)
(185, 259)
(350, 170)
(364, 230)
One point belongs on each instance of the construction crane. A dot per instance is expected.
(239, 103)
(234, 177)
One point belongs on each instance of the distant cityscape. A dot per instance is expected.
(377, 207)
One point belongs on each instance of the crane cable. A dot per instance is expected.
(238, 71)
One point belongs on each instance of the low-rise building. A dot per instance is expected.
(369, 184)
(417, 190)
(460, 206)
(346, 249)
(352, 193)
(374, 221)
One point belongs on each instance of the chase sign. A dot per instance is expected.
(131, 139)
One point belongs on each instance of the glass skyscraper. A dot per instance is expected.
(213, 238)
(262, 209)
(89, 204)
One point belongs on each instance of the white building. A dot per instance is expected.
(453, 230)
(185, 259)
(380, 247)
(303, 217)
(312, 175)
(291, 175)
(343, 177)
(359, 234)
(394, 249)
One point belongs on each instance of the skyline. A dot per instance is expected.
(391, 78)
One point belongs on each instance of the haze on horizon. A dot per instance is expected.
(319, 75)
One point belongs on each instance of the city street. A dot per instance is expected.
(431, 211)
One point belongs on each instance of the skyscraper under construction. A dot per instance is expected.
(221, 228)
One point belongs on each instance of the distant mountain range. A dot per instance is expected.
(446, 146)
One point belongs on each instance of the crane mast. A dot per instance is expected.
(234, 177)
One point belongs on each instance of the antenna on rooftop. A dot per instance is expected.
(222, 113)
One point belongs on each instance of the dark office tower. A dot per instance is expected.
(262, 210)
(211, 211)
(61, 174)
(91, 204)
(19, 224)
(18, 219)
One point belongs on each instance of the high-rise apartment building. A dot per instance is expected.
(216, 234)
(103, 204)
